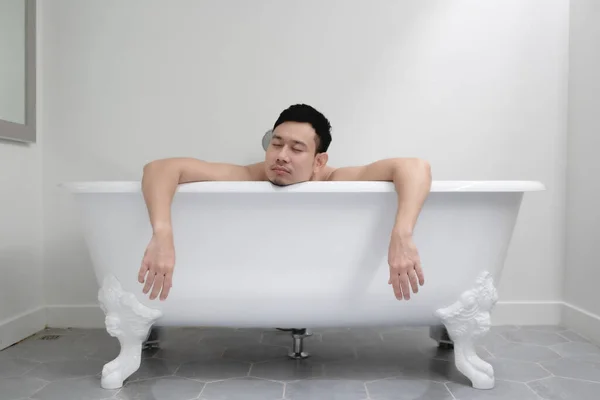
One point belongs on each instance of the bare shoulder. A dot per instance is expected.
(328, 173)
(344, 173)
(257, 171)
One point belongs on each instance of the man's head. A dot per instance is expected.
(298, 147)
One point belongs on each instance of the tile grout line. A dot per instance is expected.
(367, 390)
(539, 396)
(202, 390)
(449, 391)
(118, 391)
(564, 337)
(176, 370)
(545, 369)
(40, 389)
(576, 379)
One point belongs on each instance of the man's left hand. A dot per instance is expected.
(405, 266)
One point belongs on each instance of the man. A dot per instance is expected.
(297, 152)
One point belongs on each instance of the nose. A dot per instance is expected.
(282, 155)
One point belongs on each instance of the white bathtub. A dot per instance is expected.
(250, 254)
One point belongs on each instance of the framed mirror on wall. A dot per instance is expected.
(17, 70)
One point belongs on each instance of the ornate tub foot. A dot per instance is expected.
(129, 321)
(466, 321)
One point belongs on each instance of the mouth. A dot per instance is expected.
(280, 170)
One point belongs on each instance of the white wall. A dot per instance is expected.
(22, 310)
(477, 88)
(582, 273)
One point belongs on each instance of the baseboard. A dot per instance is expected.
(505, 313)
(17, 328)
(85, 316)
(583, 322)
(527, 313)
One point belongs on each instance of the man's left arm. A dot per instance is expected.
(412, 180)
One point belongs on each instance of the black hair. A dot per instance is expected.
(306, 113)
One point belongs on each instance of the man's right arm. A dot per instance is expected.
(159, 184)
(161, 178)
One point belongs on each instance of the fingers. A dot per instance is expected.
(149, 281)
(156, 278)
(404, 284)
(395, 281)
(157, 267)
(166, 286)
(143, 268)
(419, 272)
(400, 283)
(158, 283)
(414, 284)
(142, 272)
(403, 279)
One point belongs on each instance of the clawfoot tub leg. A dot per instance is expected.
(129, 321)
(298, 335)
(466, 321)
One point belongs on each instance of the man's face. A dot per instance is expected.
(290, 157)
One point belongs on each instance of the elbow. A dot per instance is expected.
(418, 165)
(425, 166)
(415, 167)
(161, 166)
(152, 166)
(162, 163)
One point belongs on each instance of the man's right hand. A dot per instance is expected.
(157, 266)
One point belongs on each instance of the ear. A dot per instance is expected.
(321, 160)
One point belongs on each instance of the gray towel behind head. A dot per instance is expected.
(267, 139)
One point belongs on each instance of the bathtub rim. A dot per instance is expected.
(304, 187)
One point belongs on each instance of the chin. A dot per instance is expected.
(278, 182)
(281, 182)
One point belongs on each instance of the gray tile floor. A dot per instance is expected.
(250, 364)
